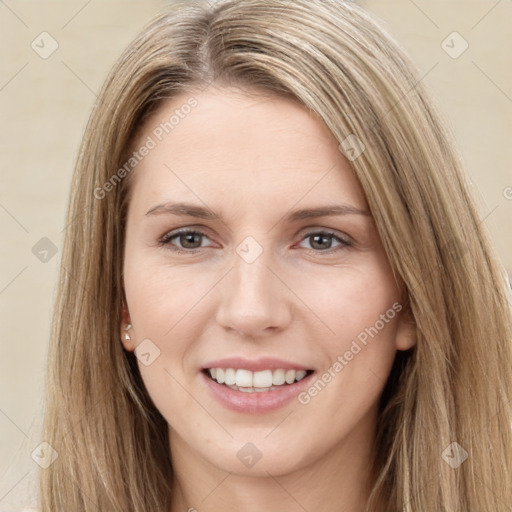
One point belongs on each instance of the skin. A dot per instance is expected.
(253, 159)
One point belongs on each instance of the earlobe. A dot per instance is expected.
(406, 334)
(126, 330)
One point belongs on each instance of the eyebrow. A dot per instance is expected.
(192, 210)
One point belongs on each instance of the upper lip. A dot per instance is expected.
(256, 365)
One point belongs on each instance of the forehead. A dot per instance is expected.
(227, 145)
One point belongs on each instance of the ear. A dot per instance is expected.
(126, 330)
(406, 334)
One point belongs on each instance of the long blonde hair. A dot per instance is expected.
(454, 386)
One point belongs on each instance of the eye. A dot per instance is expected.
(321, 241)
(189, 240)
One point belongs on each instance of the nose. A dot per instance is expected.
(254, 300)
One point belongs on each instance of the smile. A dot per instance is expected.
(256, 382)
(255, 386)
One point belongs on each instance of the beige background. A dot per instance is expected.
(44, 107)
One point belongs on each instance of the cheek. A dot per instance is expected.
(363, 310)
(161, 305)
(160, 295)
(351, 301)
(166, 305)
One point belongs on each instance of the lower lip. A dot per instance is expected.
(255, 402)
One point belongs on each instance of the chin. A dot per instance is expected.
(259, 457)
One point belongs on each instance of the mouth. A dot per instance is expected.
(255, 386)
(247, 381)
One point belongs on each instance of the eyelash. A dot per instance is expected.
(166, 239)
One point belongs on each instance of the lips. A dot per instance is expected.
(255, 386)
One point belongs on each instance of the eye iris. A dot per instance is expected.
(315, 240)
(187, 240)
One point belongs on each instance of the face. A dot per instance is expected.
(265, 317)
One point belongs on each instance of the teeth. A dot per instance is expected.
(219, 375)
(278, 377)
(262, 379)
(289, 376)
(299, 375)
(247, 381)
(229, 377)
(243, 378)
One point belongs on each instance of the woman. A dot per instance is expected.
(276, 293)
